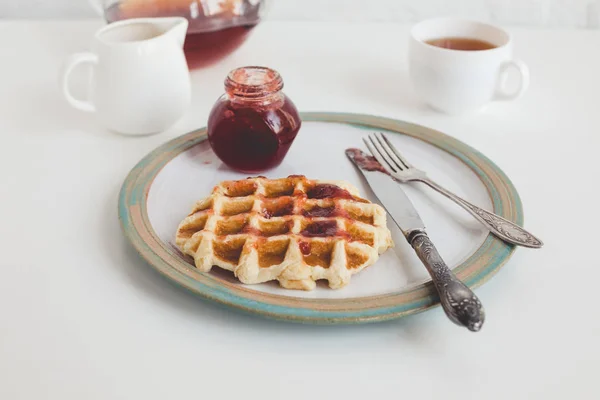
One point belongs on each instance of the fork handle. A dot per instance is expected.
(458, 301)
(501, 227)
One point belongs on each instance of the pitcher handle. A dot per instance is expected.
(71, 63)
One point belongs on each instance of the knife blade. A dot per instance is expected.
(388, 191)
(459, 302)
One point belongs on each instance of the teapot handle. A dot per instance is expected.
(71, 63)
(97, 6)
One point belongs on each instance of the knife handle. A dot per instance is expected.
(458, 301)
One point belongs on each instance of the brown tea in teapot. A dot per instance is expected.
(215, 29)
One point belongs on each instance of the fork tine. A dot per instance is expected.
(384, 153)
(375, 152)
(377, 156)
(389, 152)
(396, 152)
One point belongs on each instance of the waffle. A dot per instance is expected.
(293, 230)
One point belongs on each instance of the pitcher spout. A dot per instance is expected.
(175, 27)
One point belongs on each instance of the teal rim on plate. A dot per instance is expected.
(474, 271)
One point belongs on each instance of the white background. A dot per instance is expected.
(82, 317)
(547, 13)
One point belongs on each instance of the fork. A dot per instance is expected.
(401, 170)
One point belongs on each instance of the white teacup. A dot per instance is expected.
(457, 81)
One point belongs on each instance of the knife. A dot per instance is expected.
(458, 301)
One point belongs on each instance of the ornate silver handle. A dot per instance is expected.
(458, 301)
(503, 228)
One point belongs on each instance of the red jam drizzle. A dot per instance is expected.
(320, 229)
(280, 211)
(366, 162)
(320, 212)
(305, 248)
(327, 191)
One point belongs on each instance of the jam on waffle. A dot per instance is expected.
(293, 230)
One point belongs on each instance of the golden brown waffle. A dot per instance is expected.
(293, 230)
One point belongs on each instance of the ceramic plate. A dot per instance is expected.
(160, 191)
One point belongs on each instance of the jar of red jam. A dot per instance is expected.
(252, 126)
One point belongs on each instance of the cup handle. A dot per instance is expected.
(501, 92)
(71, 63)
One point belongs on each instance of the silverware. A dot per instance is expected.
(458, 301)
(400, 169)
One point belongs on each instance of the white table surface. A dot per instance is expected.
(82, 317)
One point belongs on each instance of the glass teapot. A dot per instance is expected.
(216, 27)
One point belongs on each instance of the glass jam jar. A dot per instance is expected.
(252, 126)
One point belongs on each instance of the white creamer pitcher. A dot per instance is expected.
(140, 82)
